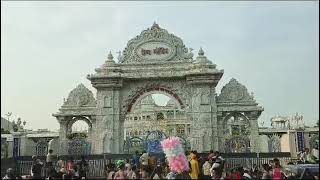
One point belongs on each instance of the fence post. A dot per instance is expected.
(258, 159)
(16, 165)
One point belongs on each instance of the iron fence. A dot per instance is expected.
(97, 163)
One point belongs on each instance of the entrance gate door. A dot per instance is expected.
(79, 146)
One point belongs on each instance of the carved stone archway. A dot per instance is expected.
(235, 101)
(80, 105)
(157, 61)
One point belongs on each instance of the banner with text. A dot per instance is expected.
(300, 141)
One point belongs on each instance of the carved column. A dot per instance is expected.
(254, 134)
(109, 125)
(204, 123)
(90, 130)
(220, 129)
(63, 148)
(104, 124)
(118, 120)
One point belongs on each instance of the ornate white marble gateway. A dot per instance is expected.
(158, 62)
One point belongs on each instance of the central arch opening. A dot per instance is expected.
(152, 112)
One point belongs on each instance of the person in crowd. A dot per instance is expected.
(71, 167)
(182, 175)
(206, 169)
(144, 172)
(271, 164)
(266, 171)
(59, 165)
(135, 159)
(195, 171)
(309, 158)
(49, 163)
(288, 174)
(62, 173)
(246, 174)
(211, 155)
(218, 156)
(9, 174)
(111, 170)
(201, 161)
(50, 157)
(216, 169)
(158, 170)
(76, 173)
(152, 164)
(171, 175)
(130, 170)
(237, 175)
(276, 170)
(120, 174)
(36, 169)
(34, 158)
(127, 166)
(254, 171)
(60, 168)
(144, 159)
(136, 173)
(227, 175)
(83, 167)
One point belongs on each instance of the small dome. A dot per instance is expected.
(234, 92)
(80, 96)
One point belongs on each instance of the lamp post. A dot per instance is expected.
(8, 117)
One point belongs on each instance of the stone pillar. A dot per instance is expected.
(186, 130)
(254, 133)
(104, 124)
(220, 131)
(204, 119)
(214, 120)
(63, 141)
(109, 134)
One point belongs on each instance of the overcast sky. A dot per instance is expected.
(48, 48)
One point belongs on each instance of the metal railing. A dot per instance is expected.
(97, 163)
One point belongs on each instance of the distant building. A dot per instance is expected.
(288, 134)
(28, 143)
(6, 125)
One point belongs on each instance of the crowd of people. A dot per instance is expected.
(55, 168)
(152, 166)
(148, 166)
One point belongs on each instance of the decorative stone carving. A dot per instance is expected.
(234, 92)
(108, 141)
(314, 141)
(107, 101)
(237, 144)
(80, 96)
(205, 96)
(155, 44)
(156, 61)
(177, 90)
(275, 143)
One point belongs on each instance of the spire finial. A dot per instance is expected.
(155, 25)
(201, 52)
(110, 57)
